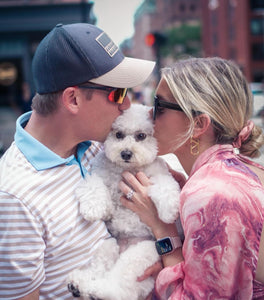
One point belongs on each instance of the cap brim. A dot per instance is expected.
(129, 73)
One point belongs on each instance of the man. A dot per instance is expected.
(81, 79)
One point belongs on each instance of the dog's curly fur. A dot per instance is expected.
(112, 274)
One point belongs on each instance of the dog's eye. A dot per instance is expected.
(140, 136)
(120, 135)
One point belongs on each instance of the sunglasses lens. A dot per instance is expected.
(155, 108)
(117, 95)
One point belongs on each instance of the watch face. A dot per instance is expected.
(164, 246)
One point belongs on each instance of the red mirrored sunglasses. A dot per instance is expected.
(116, 95)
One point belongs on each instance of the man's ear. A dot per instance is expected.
(201, 125)
(70, 100)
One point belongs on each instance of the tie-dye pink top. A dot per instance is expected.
(222, 210)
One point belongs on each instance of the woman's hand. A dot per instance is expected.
(140, 203)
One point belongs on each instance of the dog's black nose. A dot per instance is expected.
(126, 155)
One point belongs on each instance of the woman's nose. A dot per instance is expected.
(151, 113)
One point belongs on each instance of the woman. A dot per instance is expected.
(202, 115)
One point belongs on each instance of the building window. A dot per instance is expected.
(182, 7)
(215, 39)
(231, 12)
(233, 53)
(192, 7)
(257, 26)
(258, 51)
(232, 32)
(256, 4)
(258, 76)
(214, 18)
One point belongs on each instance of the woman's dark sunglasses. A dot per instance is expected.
(116, 95)
(165, 104)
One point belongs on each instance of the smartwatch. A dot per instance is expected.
(168, 245)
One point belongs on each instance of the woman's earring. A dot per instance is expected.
(195, 146)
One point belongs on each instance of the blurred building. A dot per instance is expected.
(234, 29)
(23, 23)
(158, 16)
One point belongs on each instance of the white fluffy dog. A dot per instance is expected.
(112, 274)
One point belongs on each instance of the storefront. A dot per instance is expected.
(21, 29)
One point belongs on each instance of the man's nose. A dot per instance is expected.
(125, 105)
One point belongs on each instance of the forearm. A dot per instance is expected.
(143, 206)
(162, 230)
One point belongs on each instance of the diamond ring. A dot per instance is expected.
(130, 194)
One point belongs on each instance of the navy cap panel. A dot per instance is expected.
(90, 42)
(40, 66)
(71, 66)
(73, 54)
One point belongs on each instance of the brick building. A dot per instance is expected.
(234, 29)
(159, 15)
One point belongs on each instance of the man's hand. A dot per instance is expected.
(151, 271)
(32, 296)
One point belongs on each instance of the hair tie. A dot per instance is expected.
(243, 134)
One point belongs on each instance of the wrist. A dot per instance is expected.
(162, 230)
(168, 245)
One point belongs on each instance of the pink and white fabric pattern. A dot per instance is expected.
(222, 211)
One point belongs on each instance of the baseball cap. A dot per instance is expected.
(76, 53)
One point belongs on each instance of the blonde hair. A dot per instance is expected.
(216, 87)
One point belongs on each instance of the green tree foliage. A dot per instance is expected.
(182, 40)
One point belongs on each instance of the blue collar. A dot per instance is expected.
(39, 155)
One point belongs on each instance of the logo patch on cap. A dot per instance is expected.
(109, 46)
